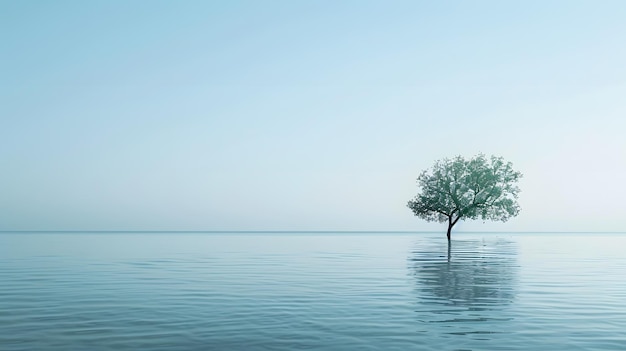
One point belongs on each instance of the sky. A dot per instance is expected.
(305, 115)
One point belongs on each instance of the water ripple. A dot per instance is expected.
(320, 292)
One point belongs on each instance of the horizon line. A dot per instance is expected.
(299, 231)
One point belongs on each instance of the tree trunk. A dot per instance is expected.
(451, 224)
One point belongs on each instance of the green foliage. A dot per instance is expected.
(477, 188)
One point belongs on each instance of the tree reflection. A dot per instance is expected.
(471, 273)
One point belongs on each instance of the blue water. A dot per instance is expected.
(312, 291)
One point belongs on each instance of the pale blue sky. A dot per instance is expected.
(305, 115)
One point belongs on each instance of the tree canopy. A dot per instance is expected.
(458, 188)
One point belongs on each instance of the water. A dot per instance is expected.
(313, 291)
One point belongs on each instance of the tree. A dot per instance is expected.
(478, 188)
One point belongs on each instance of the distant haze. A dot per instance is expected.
(305, 115)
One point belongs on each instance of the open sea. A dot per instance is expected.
(312, 291)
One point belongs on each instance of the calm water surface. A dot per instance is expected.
(320, 291)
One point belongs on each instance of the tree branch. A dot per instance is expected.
(439, 211)
(456, 220)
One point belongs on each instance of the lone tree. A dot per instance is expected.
(478, 188)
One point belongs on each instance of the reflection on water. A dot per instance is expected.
(466, 285)
(392, 292)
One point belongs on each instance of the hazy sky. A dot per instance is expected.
(305, 115)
